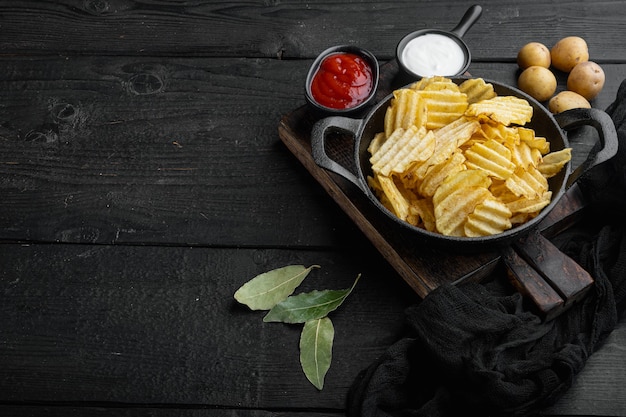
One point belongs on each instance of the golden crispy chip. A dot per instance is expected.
(529, 183)
(386, 146)
(466, 178)
(477, 90)
(376, 143)
(442, 84)
(403, 148)
(409, 177)
(452, 136)
(448, 139)
(398, 201)
(374, 185)
(413, 217)
(505, 135)
(529, 206)
(524, 156)
(436, 82)
(436, 174)
(502, 193)
(407, 109)
(390, 120)
(451, 212)
(423, 208)
(488, 218)
(535, 142)
(443, 107)
(491, 157)
(553, 162)
(494, 131)
(418, 149)
(507, 110)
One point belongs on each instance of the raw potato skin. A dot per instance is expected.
(539, 82)
(534, 53)
(586, 79)
(567, 100)
(568, 52)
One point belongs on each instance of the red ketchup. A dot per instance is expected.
(343, 81)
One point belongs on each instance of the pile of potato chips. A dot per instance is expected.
(457, 159)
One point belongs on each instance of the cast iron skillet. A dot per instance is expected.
(552, 127)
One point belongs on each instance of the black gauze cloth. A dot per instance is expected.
(480, 348)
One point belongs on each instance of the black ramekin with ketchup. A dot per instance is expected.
(342, 80)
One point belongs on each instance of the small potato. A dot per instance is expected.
(568, 52)
(586, 79)
(567, 100)
(538, 82)
(533, 53)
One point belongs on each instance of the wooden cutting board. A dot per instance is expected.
(426, 268)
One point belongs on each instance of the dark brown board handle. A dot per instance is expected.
(551, 279)
(532, 285)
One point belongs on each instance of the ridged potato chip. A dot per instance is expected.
(525, 205)
(476, 89)
(448, 139)
(436, 174)
(524, 156)
(376, 143)
(407, 109)
(507, 110)
(398, 201)
(443, 107)
(452, 212)
(535, 142)
(470, 178)
(529, 183)
(488, 218)
(436, 82)
(492, 157)
(553, 162)
(423, 209)
(401, 149)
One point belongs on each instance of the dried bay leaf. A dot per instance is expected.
(266, 290)
(316, 346)
(308, 306)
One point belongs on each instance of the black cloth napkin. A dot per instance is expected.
(479, 348)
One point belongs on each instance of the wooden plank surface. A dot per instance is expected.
(159, 325)
(295, 29)
(147, 325)
(142, 180)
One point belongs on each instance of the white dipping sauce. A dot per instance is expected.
(433, 54)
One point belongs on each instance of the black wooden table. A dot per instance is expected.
(142, 181)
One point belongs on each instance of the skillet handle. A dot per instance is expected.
(603, 123)
(318, 145)
(467, 21)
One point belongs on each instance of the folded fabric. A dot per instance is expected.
(480, 348)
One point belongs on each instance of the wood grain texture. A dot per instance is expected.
(295, 29)
(183, 151)
(142, 181)
(154, 325)
(159, 325)
(106, 410)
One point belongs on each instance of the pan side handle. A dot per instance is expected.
(600, 121)
(318, 145)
